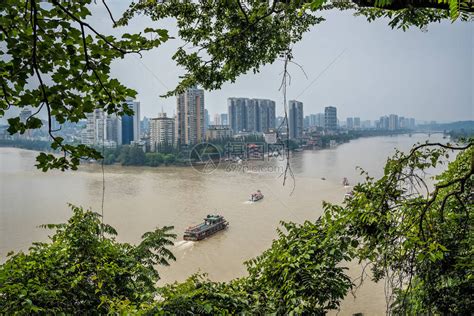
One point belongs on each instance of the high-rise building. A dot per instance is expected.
(207, 118)
(251, 115)
(318, 119)
(393, 123)
(145, 126)
(131, 123)
(295, 119)
(113, 129)
(95, 132)
(265, 115)
(217, 119)
(237, 111)
(162, 131)
(356, 122)
(330, 118)
(350, 123)
(224, 119)
(190, 121)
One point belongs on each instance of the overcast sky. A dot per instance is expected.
(375, 70)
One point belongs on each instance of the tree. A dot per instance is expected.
(416, 236)
(83, 268)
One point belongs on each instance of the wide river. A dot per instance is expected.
(137, 199)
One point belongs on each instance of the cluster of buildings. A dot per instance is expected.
(111, 130)
(191, 123)
(394, 122)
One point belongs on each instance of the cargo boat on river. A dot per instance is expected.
(212, 224)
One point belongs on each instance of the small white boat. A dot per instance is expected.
(257, 196)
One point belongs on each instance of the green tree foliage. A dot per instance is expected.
(82, 267)
(54, 61)
(417, 236)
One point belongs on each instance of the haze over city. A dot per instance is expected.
(372, 70)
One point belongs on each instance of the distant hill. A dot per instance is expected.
(454, 126)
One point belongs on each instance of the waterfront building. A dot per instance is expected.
(131, 123)
(383, 123)
(330, 118)
(190, 121)
(113, 129)
(317, 120)
(251, 115)
(145, 126)
(357, 123)
(350, 123)
(295, 119)
(162, 131)
(393, 123)
(95, 132)
(237, 111)
(218, 132)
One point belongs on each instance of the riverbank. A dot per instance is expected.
(136, 156)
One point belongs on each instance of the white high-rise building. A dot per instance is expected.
(94, 132)
(162, 131)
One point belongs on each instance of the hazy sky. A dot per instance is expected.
(426, 75)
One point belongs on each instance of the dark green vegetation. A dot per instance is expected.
(417, 240)
(58, 64)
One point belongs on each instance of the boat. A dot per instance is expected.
(257, 196)
(212, 224)
(345, 182)
(349, 195)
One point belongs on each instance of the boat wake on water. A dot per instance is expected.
(183, 244)
(247, 202)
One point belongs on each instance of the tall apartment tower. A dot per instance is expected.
(251, 115)
(357, 123)
(190, 118)
(95, 131)
(113, 129)
(162, 131)
(350, 123)
(295, 119)
(131, 123)
(393, 123)
(330, 118)
(237, 114)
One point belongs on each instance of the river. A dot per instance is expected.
(137, 199)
